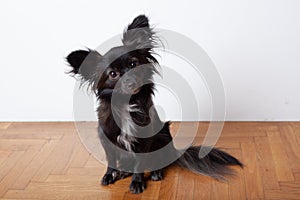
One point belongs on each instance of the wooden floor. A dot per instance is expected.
(47, 161)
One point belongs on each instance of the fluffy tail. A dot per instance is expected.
(215, 164)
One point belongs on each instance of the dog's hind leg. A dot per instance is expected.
(156, 175)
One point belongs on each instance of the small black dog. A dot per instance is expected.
(122, 81)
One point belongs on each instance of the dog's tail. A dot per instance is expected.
(215, 164)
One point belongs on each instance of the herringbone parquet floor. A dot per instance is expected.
(48, 161)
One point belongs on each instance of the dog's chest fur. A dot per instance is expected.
(118, 124)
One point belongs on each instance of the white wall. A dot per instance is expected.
(254, 44)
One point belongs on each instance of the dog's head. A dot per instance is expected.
(125, 68)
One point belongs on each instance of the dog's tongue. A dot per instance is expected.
(135, 91)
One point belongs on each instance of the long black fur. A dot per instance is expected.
(139, 41)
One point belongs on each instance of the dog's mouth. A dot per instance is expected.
(109, 92)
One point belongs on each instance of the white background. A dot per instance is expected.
(255, 46)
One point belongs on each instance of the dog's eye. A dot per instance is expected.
(134, 62)
(113, 74)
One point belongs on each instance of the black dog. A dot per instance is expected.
(128, 123)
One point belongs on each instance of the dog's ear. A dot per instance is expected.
(140, 21)
(76, 58)
(85, 63)
(139, 35)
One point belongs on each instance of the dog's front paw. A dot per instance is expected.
(137, 187)
(156, 175)
(107, 179)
